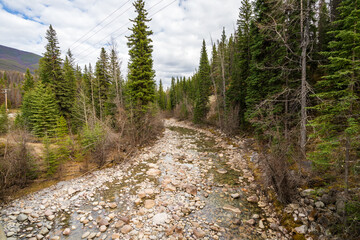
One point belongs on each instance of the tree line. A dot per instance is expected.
(86, 114)
(290, 76)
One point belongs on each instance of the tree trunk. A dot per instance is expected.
(304, 44)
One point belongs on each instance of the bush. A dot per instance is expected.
(3, 120)
(16, 163)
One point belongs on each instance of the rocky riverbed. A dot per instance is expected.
(191, 184)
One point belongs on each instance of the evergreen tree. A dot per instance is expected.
(67, 88)
(102, 83)
(141, 82)
(28, 82)
(161, 97)
(338, 123)
(203, 90)
(50, 71)
(41, 110)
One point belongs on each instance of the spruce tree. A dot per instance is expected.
(141, 82)
(102, 83)
(338, 123)
(28, 82)
(203, 90)
(50, 71)
(67, 88)
(42, 111)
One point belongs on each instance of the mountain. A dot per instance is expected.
(17, 60)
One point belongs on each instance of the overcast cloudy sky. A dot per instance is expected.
(85, 26)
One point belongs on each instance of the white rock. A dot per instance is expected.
(160, 218)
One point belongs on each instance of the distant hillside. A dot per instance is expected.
(17, 60)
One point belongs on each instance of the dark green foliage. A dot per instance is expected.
(67, 88)
(29, 82)
(101, 84)
(161, 97)
(49, 156)
(50, 71)
(203, 91)
(40, 111)
(141, 84)
(338, 121)
(4, 121)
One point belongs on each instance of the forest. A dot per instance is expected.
(288, 77)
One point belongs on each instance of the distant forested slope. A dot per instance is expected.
(17, 60)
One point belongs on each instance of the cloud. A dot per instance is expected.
(179, 28)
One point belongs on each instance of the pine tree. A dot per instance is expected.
(28, 82)
(67, 88)
(203, 90)
(338, 123)
(141, 82)
(50, 71)
(238, 86)
(41, 111)
(161, 97)
(102, 83)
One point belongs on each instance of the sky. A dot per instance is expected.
(84, 26)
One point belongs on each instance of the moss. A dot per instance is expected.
(299, 237)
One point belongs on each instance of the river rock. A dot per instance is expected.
(126, 229)
(253, 199)
(44, 231)
(235, 195)
(250, 221)
(302, 229)
(115, 236)
(231, 208)
(160, 218)
(112, 205)
(66, 232)
(319, 204)
(102, 228)
(85, 235)
(48, 213)
(22, 217)
(149, 203)
(199, 233)
(103, 222)
(153, 172)
(119, 224)
(92, 235)
(190, 189)
(221, 171)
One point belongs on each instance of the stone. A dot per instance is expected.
(44, 231)
(235, 195)
(119, 224)
(141, 194)
(85, 235)
(92, 235)
(319, 204)
(138, 201)
(102, 228)
(149, 191)
(10, 234)
(66, 232)
(250, 221)
(261, 224)
(126, 229)
(231, 208)
(51, 217)
(22, 217)
(112, 205)
(274, 226)
(48, 213)
(255, 216)
(307, 192)
(199, 233)
(302, 229)
(190, 189)
(160, 218)
(125, 219)
(39, 236)
(103, 222)
(149, 203)
(221, 171)
(115, 236)
(55, 238)
(153, 172)
(253, 199)
(170, 230)
(169, 188)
